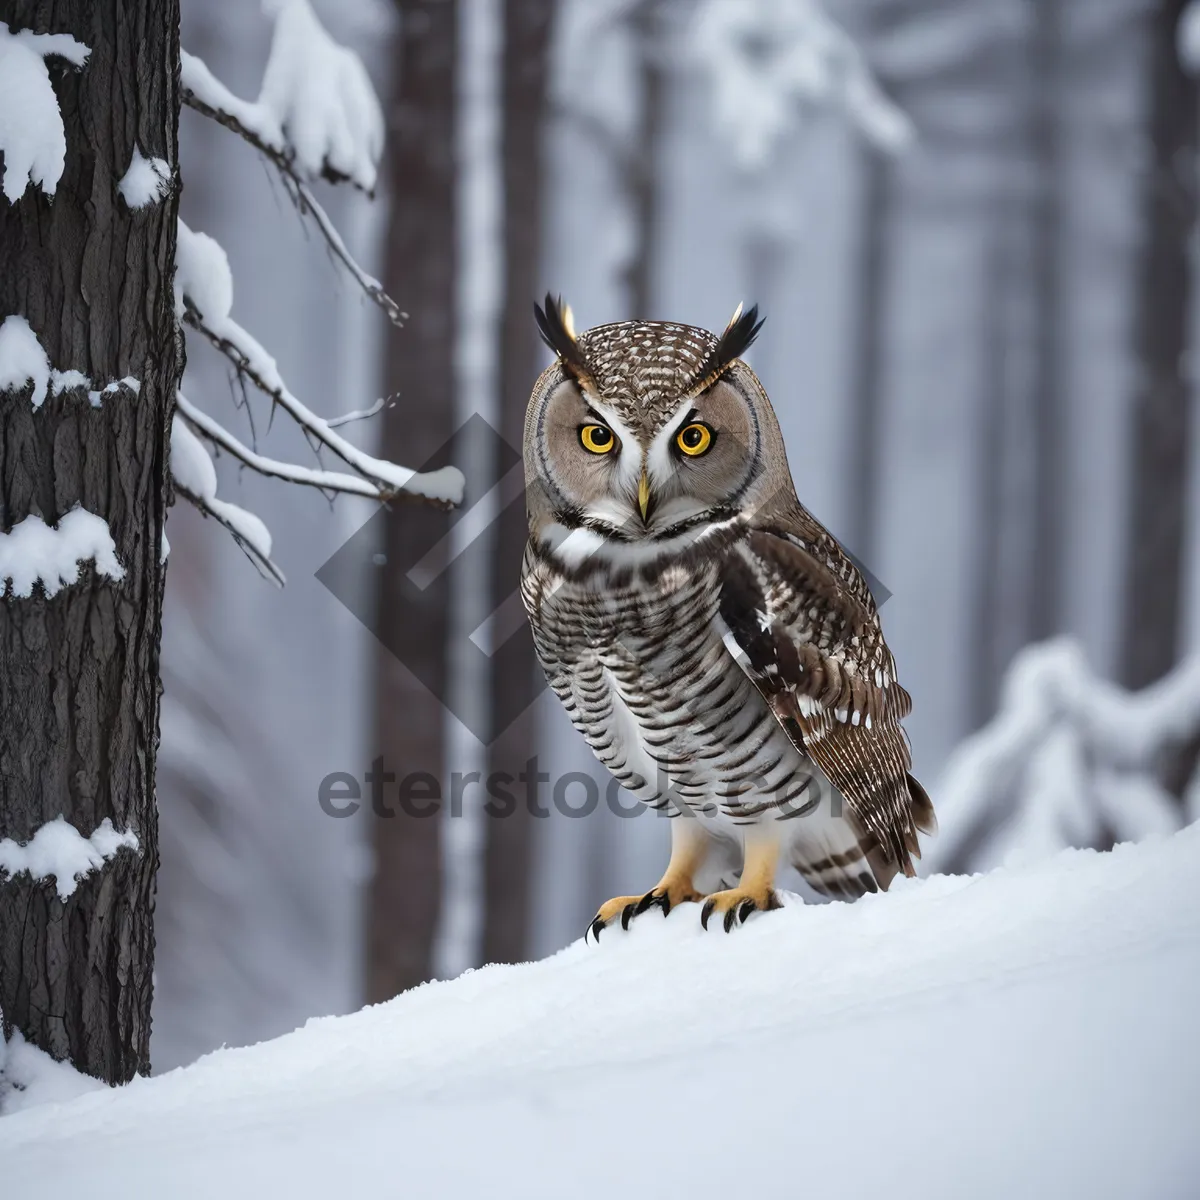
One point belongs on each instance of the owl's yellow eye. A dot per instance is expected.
(597, 438)
(694, 439)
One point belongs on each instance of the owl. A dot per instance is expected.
(716, 648)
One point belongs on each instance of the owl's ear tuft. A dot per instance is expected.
(557, 328)
(738, 337)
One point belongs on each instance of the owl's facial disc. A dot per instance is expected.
(592, 460)
(650, 487)
(701, 460)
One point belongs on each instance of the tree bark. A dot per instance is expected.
(79, 670)
(413, 624)
(1161, 420)
(515, 675)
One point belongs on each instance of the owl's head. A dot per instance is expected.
(645, 436)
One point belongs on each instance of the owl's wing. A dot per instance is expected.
(801, 622)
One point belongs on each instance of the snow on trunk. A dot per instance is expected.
(60, 852)
(32, 138)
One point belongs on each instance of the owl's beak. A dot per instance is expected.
(644, 495)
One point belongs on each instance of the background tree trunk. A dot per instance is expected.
(647, 23)
(1048, 393)
(413, 625)
(514, 670)
(1161, 424)
(865, 458)
(79, 679)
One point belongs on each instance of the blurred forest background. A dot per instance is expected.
(970, 226)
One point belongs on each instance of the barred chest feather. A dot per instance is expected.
(641, 668)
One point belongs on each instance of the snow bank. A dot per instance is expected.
(59, 851)
(32, 138)
(34, 552)
(29, 1076)
(1027, 1032)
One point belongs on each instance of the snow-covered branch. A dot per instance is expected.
(204, 288)
(1188, 38)
(770, 62)
(327, 481)
(195, 479)
(316, 109)
(1070, 760)
(317, 117)
(206, 94)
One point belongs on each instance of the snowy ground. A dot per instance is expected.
(1031, 1032)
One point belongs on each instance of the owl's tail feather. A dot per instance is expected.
(923, 815)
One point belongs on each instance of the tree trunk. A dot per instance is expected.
(515, 675)
(1048, 396)
(647, 22)
(1161, 423)
(864, 476)
(413, 624)
(79, 679)
(988, 651)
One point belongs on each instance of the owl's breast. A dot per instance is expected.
(643, 674)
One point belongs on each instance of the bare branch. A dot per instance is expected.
(265, 567)
(325, 481)
(442, 488)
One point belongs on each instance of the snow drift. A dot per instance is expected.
(1026, 1032)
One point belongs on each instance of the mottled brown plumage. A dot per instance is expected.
(708, 637)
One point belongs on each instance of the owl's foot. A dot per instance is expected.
(737, 904)
(755, 892)
(668, 893)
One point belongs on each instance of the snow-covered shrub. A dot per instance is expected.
(1070, 760)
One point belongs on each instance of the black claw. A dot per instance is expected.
(730, 917)
(707, 912)
(665, 904)
(745, 909)
(595, 929)
(644, 903)
(626, 914)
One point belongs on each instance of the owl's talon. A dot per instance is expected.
(737, 906)
(665, 896)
